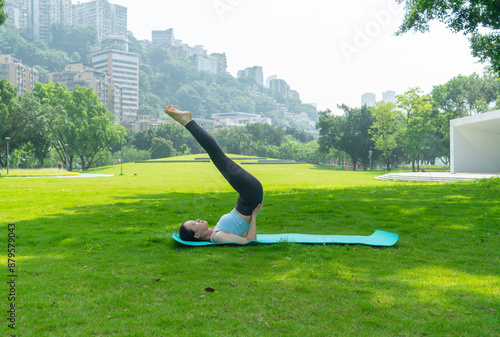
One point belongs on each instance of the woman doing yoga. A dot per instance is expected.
(240, 224)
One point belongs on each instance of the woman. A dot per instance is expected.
(239, 225)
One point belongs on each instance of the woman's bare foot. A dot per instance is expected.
(183, 117)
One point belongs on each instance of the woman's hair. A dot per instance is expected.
(187, 234)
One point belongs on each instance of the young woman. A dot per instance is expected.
(240, 224)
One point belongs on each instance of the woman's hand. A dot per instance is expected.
(257, 210)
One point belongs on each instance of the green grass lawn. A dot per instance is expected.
(36, 172)
(94, 256)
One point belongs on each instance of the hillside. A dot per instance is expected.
(161, 79)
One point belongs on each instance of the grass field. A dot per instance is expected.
(94, 256)
(48, 172)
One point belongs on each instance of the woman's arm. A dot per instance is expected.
(251, 233)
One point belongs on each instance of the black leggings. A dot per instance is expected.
(249, 188)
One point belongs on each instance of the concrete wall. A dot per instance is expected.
(475, 143)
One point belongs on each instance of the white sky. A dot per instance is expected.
(331, 52)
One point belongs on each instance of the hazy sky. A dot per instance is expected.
(331, 52)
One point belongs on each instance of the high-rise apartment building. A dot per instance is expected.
(280, 86)
(107, 18)
(204, 63)
(268, 80)
(109, 93)
(146, 46)
(368, 99)
(389, 96)
(17, 14)
(253, 72)
(123, 68)
(34, 18)
(221, 61)
(17, 74)
(293, 94)
(163, 37)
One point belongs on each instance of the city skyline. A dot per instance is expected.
(329, 53)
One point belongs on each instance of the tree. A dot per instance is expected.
(437, 145)
(8, 97)
(35, 128)
(94, 125)
(161, 148)
(234, 140)
(189, 99)
(3, 15)
(385, 130)
(181, 139)
(24, 120)
(415, 111)
(459, 97)
(348, 133)
(79, 39)
(467, 95)
(80, 120)
(267, 134)
(480, 19)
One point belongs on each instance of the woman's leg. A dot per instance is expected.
(249, 188)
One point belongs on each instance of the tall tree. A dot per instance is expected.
(24, 120)
(80, 120)
(8, 98)
(385, 130)
(348, 132)
(467, 95)
(3, 15)
(480, 19)
(415, 110)
(161, 148)
(72, 39)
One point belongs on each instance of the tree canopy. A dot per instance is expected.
(348, 132)
(79, 119)
(479, 19)
(3, 15)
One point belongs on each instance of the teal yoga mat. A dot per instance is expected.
(378, 238)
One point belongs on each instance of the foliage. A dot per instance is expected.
(415, 111)
(181, 139)
(78, 122)
(467, 95)
(461, 96)
(385, 130)
(3, 15)
(480, 19)
(8, 94)
(32, 53)
(161, 148)
(79, 41)
(23, 119)
(348, 132)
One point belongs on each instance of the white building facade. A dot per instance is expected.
(231, 119)
(474, 143)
